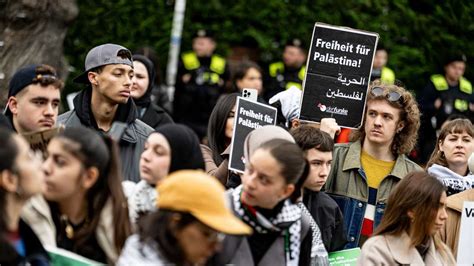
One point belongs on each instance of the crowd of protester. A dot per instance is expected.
(127, 181)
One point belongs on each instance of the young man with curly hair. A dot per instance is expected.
(365, 171)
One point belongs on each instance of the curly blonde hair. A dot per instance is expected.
(405, 140)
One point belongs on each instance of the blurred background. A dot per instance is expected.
(417, 33)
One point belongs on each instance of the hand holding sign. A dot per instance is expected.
(330, 126)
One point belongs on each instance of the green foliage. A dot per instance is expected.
(418, 33)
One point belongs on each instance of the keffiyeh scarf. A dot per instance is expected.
(143, 200)
(287, 221)
(319, 255)
(454, 182)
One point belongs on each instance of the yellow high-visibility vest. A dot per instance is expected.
(279, 67)
(191, 62)
(441, 84)
(387, 76)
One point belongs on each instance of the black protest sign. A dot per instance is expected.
(249, 115)
(337, 75)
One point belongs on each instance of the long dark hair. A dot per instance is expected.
(217, 123)
(294, 166)
(94, 150)
(8, 153)
(418, 192)
(157, 227)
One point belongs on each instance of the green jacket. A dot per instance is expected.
(347, 185)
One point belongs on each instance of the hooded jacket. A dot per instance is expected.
(149, 112)
(131, 141)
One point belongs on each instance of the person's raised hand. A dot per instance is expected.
(330, 126)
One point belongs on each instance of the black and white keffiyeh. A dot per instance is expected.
(141, 198)
(319, 255)
(454, 182)
(287, 221)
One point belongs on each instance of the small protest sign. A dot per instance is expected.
(337, 75)
(39, 140)
(466, 235)
(62, 257)
(346, 257)
(249, 115)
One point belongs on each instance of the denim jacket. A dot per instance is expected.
(348, 186)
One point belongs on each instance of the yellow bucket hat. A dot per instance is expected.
(201, 195)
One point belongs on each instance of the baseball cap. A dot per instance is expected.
(31, 74)
(105, 54)
(201, 195)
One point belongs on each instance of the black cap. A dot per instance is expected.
(21, 79)
(26, 76)
(203, 33)
(295, 42)
(454, 57)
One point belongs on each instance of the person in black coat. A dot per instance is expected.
(143, 83)
(318, 146)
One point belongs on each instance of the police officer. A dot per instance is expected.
(379, 68)
(201, 79)
(448, 94)
(289, 72)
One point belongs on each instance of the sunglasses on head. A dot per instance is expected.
(392, 96)
(45, 79)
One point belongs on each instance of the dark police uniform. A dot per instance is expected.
(194, 100)
(281, 77)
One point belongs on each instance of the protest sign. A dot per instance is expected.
(62, 257)
(249, 115)
(346, 257)
(338, 74)
(39, 139)
(466, 235)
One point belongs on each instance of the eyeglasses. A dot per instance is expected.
(392, 96)
(45, 79)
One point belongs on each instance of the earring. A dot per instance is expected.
(19, 192)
